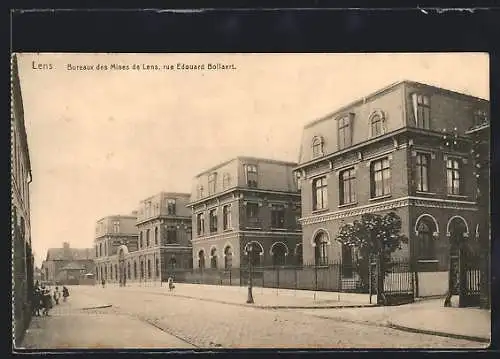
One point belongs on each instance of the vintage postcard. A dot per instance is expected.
(204, 201)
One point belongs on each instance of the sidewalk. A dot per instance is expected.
(427, 317)
(268, 298)
(83, 322)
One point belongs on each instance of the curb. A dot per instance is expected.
(437, 333)
(262, 306)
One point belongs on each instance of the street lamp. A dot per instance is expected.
(249, 251)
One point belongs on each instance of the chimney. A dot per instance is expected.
(66, 250)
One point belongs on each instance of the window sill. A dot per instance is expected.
(380, 197)
(278, 229)
(426, 193)
(254, 228)
(428, 261)
(456, 196)
(320, 210)
(348, 204)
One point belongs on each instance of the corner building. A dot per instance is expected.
(164, 227)
(111, 233)
(246, 200)
(403, 148)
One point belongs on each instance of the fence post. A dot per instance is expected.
(315, 280)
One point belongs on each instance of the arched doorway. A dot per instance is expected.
(201, 259)
(213, 258)
(279, 251)
(347, 261)
(457, 232)
(228, 257)
(298, 254)
(321, 243)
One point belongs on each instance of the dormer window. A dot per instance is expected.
(345, 131)
(212, 179)
(252, 176)
(422, 111)
(377, 123)
(317, 146)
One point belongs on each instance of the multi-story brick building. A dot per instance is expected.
(245, 200)
(164, 227)
(388, 152)
(111, 233)
(22, 257)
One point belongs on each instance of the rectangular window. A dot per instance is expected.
(200, 224)
(344, 132)
(422, 110)
(171, 234)
(226, 215)
(212, 179)
(380, 178)
(213, 220)
(116, 226)
(277, 216)
(252, 214)
(453, 176)
(200, 191)
(347, 183)
(147, 237)
(320, 193)
(171, 207)
(252, 176)
(422, 175)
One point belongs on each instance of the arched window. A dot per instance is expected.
(149, 268)
(157, 267)
(213, 258)
(140, 239)
(228, 258)
(425, 246)
(201, 259)
(255, 254)
(142, 269)
(321, 246)
(317, 146)
(279, 252)
(156, 235)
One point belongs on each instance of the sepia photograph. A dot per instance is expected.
(234, 201)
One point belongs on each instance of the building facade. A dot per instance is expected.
(245, 200)
(22, 257)
(164, 227)
(59, 260)
(111, 233)
(402, 149)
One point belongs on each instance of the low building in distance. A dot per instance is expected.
(112, 232)
(68, 265)
(405, 149)
(241, 201)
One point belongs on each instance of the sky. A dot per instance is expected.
(100, 141)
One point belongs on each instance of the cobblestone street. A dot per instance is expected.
(205, 324)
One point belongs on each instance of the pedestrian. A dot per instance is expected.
(103, 282)
(36, 300)
(57, 295)
(171, 284)
(46, 300)
(65, 293)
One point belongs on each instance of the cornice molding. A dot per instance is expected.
(389, 205)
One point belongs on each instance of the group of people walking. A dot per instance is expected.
(44, 298)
